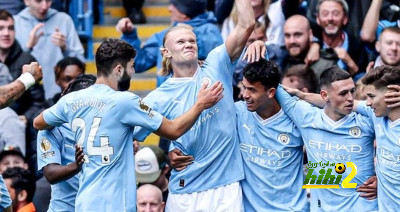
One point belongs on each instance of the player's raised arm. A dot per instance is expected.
(312, 98)
(30, 74)
(237, 39)
(207, 97)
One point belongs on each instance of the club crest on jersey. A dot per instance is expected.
(146, 108)
(45, 144)
(284, 138)
(355, 132)
(206, 80)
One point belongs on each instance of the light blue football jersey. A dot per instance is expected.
(388, 158)
(58, 146)
(103, 121)
(213, 139)
(272, 152)
(348, 140)
(5, 200)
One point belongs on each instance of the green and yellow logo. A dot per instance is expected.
(326, 179)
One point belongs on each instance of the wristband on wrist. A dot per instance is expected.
(27, 79)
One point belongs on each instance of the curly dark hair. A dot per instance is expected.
(82, 81)
(264, 71)
(111, 53)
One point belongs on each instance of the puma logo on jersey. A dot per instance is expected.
(247, 128)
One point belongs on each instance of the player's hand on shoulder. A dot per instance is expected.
(292, 91)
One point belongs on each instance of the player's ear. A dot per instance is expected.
(118, 70)
(324, 95)
(271, 92)
(165, 52)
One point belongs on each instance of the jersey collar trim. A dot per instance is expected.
(334, 124)
(394, 123)
(268, 120)
(186, 79)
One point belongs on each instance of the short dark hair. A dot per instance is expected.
(82, 81)
(264, 71)
(21, 179)
(5, 15)
(382, 76)
(111, 53)
(331, 75)
(306, 74)
(63, 63)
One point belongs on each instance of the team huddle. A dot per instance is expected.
(255, 166)
(248, 155)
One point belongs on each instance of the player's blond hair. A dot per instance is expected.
(166, 67)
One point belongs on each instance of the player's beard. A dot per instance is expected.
(124, 83)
